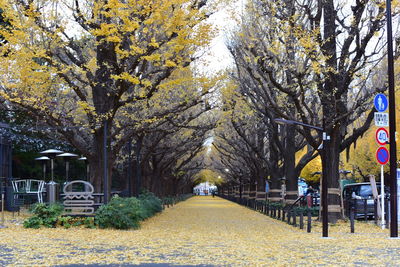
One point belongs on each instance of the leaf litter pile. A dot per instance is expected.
(200, 231)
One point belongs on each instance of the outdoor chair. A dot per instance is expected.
(19, 188)
(35, 187)
(28, 187)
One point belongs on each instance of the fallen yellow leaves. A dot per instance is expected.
(201, 230)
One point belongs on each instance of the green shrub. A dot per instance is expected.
(150, 204)
(68, 222)
(33, 222)
(65, 221)
(88, 222)
(119, 213)
(44, 215)
(172, 200)
(304, 210)
(168, 201)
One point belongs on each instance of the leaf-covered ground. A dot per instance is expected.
(199, 231)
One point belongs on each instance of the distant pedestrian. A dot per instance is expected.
(213, 193)
(309, 195)
(310, 190)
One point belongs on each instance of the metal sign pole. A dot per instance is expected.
(382, 199)
(392, 125)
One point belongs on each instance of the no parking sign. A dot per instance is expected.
(382, 155)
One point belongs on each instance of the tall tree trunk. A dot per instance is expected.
(329, 106)
(96, 165)
(289, 159)
(331, 167)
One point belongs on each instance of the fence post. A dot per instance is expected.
(352, 219)
(301, 220)
(294, 218)
(365, 210)
(376, 211)
(308, 221)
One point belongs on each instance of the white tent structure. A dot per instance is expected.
(204, 189)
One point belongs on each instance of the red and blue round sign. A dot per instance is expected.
(382, 155)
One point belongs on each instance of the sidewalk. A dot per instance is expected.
(200, 231)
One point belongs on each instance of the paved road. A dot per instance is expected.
(202, 231)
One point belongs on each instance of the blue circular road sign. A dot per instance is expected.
(381, 102)
(382, 155)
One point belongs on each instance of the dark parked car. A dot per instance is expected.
(358, 194)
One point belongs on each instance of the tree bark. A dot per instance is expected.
(290, 164)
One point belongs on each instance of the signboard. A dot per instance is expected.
(380, 102)
(382, 155)
(382, 136)
(381, 119)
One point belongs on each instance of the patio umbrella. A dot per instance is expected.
(67, 157)
(51, 153)
(43, 159)
(87, 167)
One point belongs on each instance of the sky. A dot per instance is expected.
(218, 57)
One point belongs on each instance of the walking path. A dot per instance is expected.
(200, 231)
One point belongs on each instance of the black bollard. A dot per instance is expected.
(308, 221)
(365, 210)
(352, 219)
(301, 220)
(279, 213)
(294, 218)
(283, 215)
(376, 211)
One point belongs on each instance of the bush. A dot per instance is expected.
(68, 221)
(120, 213)
(168, 201)
(33, 222)
(150, 205)
(172, 200)
(44, 215)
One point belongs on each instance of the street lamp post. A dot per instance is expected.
(105, 162)
(324, 156)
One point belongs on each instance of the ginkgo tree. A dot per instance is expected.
(319, 57)
(81, 66)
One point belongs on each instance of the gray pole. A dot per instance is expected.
(138, 166)
(392, 126)
(129, 173)
(2, 211)
(105, 163)
(67, 170)
(324, 184)
(52, 168)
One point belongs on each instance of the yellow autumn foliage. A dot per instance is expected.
(207, 175)
(78, 63)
